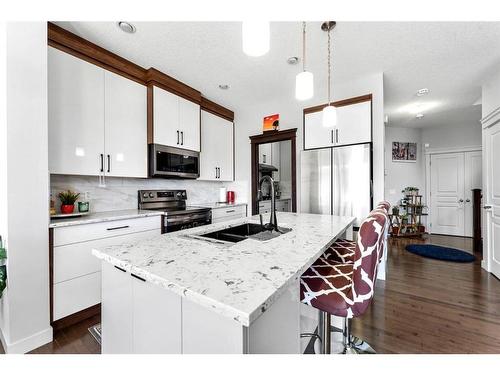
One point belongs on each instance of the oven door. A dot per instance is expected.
(165, 161)
(174, 223)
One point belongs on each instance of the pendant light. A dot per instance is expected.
(329, 112)
(255, 37)
(304, 81)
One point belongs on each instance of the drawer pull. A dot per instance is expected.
(121, 269)
(138, 277)
(229, 211)
(122, 227)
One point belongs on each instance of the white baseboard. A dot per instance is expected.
(28, 343)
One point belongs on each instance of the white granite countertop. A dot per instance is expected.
(239, 281)
(218, 204)
(98, 217)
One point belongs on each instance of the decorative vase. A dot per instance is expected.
(67, 208)
(83, 206)
(395, 231)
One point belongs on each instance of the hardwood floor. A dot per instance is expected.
(424, 306)
(431, 306)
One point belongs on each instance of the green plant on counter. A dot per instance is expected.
(68, 197)
(3, 268)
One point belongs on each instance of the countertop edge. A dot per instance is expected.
(83, 220)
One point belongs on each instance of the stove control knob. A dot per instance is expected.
(184, 194)
(179, 194)
(151, 195)
(144, 195)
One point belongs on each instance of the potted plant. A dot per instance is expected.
(395, 230)
(404, 219)
(395, 210)
(68, 199)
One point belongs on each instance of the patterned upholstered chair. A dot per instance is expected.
(342, 250)
(346, 289)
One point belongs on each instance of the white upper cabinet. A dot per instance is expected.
(176, 121)
(125, 127)
(76, 115)
(97, 120)
(216, 157)
(353, 126)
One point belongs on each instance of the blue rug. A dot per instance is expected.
(441, 253)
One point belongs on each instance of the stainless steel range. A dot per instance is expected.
(177, 215)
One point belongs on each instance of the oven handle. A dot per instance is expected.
(186, 218)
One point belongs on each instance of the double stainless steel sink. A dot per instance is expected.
(242, 232)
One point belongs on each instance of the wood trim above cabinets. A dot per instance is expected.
(83, 49)
(340, 103)
(216, 109)
(164, 81)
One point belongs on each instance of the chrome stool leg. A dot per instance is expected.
(353, 344)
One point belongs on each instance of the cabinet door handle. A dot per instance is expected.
(121, 269)
(177, 137)
(229, 211)
(109, 163)
(336, 135)
(102, 162)
(467, 200)
(264, 157)
(182, 138)
(218, 172)
(215, 172)
(122, 227)
(332, 137)
(138, 277)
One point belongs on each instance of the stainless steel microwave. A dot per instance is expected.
(172, 162)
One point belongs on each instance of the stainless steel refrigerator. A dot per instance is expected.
(337, 181)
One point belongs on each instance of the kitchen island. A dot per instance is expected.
(177, 293)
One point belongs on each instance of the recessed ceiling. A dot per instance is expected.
(451, 59)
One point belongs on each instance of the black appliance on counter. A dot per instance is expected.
(177, 215)
(168, 162)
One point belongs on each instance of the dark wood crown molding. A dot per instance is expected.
(274, 136)
(216, 109)
(340, 103)
(160, 79)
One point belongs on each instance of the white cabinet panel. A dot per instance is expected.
(116, 311)
(217, 155)
(229, 212)
(189, 124)
(265, 151)
(165, 118)
(354, 123)
(315, 134)
(125, 127)
(76, 115)
(157, 316)
(76, 294)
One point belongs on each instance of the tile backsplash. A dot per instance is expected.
(121, 193)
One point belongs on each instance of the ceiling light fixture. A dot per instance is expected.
(224, 87)
(294, 60)
(423, 91)
(304, 81)
(255, 37)
(329, 112)
(127, 27)
(419, 116)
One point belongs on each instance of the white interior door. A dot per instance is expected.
(492, 197)
(473, 180)
(447, 194)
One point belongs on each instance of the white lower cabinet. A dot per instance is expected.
(221, 214)
(138, 316)
(76, 272)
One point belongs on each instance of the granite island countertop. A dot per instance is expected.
(240, 280)
(99, 217)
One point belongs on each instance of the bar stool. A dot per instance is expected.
(346, 289)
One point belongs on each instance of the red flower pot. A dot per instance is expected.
(67, 208)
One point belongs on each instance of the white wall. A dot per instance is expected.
(399, 175)
(248, 122)
(490, 97)
(25, 305)
(452, 135)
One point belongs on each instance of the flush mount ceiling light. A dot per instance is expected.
(255, 37)
(419, 116)
(224, 87)
(127, 27)
(304, 81)
(423, 91)
(329, 112)
(294, 60)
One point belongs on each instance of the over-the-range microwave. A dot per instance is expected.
(172, 162)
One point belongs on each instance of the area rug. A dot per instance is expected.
(441, 253)
(95, 331)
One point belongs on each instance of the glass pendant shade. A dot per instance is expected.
(255, 37)
(304, 86)
(329, 116)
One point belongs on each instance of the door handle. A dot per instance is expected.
(467, 200)
(177, 137)
(332, 136)
(218, 172)
(182, 138)
(109, 163)
(487, 207)
(336, 135)
(102, 162)
(460, 201)
(215, 172)
(264, 158)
